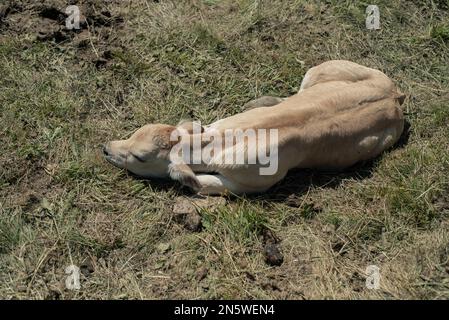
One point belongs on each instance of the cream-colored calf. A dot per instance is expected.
(344, 113)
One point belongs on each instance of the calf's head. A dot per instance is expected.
(147, 154)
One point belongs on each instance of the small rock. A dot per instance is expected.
(273, 255)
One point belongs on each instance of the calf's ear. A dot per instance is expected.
(182, 173)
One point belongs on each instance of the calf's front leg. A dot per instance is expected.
(216, 184)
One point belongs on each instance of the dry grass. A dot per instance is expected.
(159, 61)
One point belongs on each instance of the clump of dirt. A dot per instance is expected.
(185, 211)
(273, 255)
(272, 251)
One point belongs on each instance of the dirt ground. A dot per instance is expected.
(65, 92)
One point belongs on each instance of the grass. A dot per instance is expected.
(62, 204)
